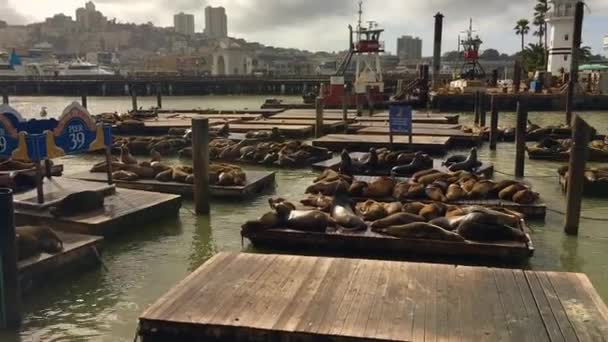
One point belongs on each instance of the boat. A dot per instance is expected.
(82, 68)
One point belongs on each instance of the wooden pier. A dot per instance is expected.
(79, 253)
(254, 297)
(163, 125)
(310, 114)
(290, 131)
(486, 169)
(328, 125)
(360, 143)
(459, 138)
(123, 209)
(257, 181)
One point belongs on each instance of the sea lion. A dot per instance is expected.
(323, 203)
(470, 164)
(345, 217)
(15, 165)
(468, 184)
(78, 203)
(420, 162)
(269, 220)
(103, 166)
(357, 188)
(158, 167)
(416, 176)
(433, 211)
(396, 220)
(421, 230)
(125, 175)
(328, 175)
(458, 158)
(371, 210)
(435, 193)
(155, 156)
(507, 193)
(413, 208)
(442, 222)
(309, 220)
(455, 192)
(526, 196)
(400, 190)
(481, 189)
(392, 208)
(164, 176)
(328, 188)
(380, 188)
(502, 185)
(141, 171)
(473, 228)
(31, 240)
(430, 178)
(415, 191)
(126, 157)
(179, 175)
(487, 215)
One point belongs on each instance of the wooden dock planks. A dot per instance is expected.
(287, 298)
(352, 115)
(290, 131)
(79, 252)
(458, 136)
(123, 209)
(360, 143)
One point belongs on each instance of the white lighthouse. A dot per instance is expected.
(561, 21)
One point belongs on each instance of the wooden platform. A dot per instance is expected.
(328, 125)
(162, 126)
(459, 138)
(486, 169)
(256, 297)
(595, 189)
(371, 245)
(79, 253)
(290, 131)
(56, 171)
(565, 156)
(360, 143)
(257, 181)
(355, 126)
(379, 117)
(125, 209)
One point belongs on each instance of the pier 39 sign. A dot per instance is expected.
(12, 142)
(400, 119)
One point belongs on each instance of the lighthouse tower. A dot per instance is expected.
(561, 21)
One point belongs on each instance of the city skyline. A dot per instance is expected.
(319, 26)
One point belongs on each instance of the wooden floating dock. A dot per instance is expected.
(255, 297)
(459, 138)
(591, 189)
(123, 209)
(565, 156)
(208, 112)
(371, 244)
(358, 125)
(79, 253)
(310, 114)
(56, 171)
(328, 125)
(486, 169)
(290, 131)
(162, 126)
(257, 181)
(360, 143)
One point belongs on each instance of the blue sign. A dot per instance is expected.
(400, 119)
(13, 144)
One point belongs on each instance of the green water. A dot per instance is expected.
(104, 304)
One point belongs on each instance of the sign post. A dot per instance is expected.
(400, 121)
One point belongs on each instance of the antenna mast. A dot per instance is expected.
(360, 20)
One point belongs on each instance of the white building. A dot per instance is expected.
(184, 23)
(216, 22)
(606, 46)
(561, 21)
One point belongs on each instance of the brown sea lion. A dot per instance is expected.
(474, 228)
(396, 220)
(158, 167)
(328, 175)
(140, 171)
(344, 216)
(15, 165)
(415, 191)
(421, 230)
(470, 164)
(507, 193)
(380, 188)
(435, 193)
(455, 193)
(309, 220)
(78, 203)
(165, 176)
(125, 175)
(428, 179)
(31, 240)
(103, 167)
(526, 196)
(323, 203)
(416, 176)
(328, 188)
(433, 211)
(392, 207)
(155, 156)
(267, 221)
(482, 189)
(442, 222)
(371, 210)
(503, 184)
(413, 208)
(179, 175)
(126, 157)
(400, 190)
(468, 184)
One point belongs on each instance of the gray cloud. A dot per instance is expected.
(11, 15)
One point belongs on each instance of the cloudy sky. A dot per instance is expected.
(321, 24)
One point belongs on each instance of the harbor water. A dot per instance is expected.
(103, 304)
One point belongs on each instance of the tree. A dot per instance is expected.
(522, 28)
(490, 54)
(451, 56)
(584, 55)
(540, 14)
(533, 57)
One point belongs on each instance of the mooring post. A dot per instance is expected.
(319, 117)
(200, 161)
(345, 111)
(134, 99)
(581, 132)
(493, 123)
(10, 297)
(358, 105)
(109, 171)
(516, 76)
(5, 96)
(83, 100)
(159, 96)
(482, 109)
(48, 168)
(476, 107)
(520, 140)
(437, 49)
(576, 45)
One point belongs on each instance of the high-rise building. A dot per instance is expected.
(409, 48)
(216, 22)
(184, 23)
(606, 46)
(561, 20)
(89, 18)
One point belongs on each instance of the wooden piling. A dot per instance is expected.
(476, 107)
(520, 140)
(10, 297)
(159, 96)
(345, 111)
(109, 170)
(39, 184)
(576, 174)
(482, 109)
(358, 105)
(576, 45)
(134, 99)
(5, 99)
(83, 101)
(319, 117)
(48, 169)
(200, 161)
(437, 49)
(516, 76)
(493, 123)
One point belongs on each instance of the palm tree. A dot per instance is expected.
(521, 29)
(540, 14)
